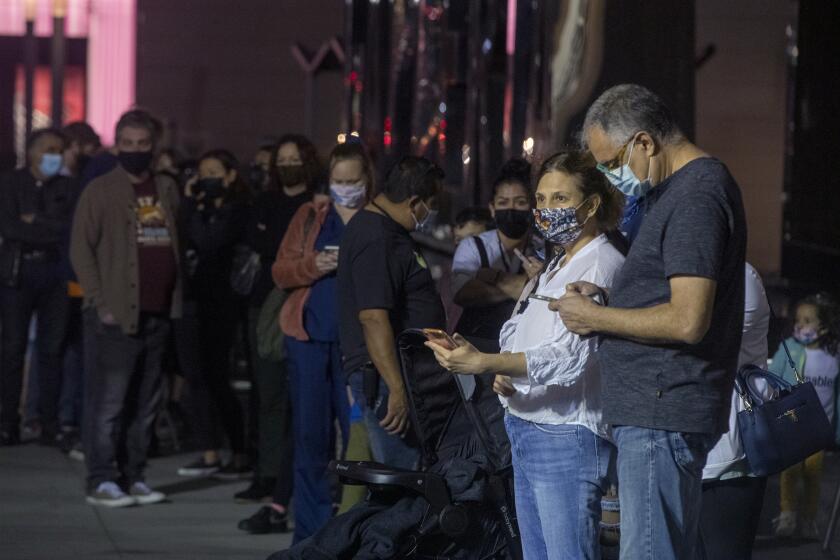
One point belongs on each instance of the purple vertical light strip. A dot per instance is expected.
(112, 55)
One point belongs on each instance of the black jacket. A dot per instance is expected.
(51, 204)
(210, 235)
(50, 201)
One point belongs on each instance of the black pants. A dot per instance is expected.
(204, 339)
(275, 452)
(122, 397)
(729, 518)
(41, 291)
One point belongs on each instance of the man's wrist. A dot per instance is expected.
(395, 388)
(596, 318)
(486, 363)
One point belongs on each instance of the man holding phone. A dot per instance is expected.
(385, 287)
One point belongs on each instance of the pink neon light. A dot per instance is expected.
(112, 58)
(511, 27)
(13, 17)
(110, 26)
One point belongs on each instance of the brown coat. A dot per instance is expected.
(294, 269)
(103, 247)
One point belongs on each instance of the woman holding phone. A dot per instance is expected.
(306, 267)
(547, 376)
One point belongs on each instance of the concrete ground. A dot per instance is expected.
(43, 516)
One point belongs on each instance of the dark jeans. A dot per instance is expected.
(275, 453)
(319, 393)
(72, 377)
(386, 448)
(729, 517)
(204, 338)
(41, 291)
(122, 397)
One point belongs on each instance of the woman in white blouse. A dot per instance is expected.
(548, 376)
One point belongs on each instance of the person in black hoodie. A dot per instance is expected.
(213, 220)
(296, 170)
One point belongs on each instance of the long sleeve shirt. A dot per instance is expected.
(563, 385)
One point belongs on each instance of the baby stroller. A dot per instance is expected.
(459, 505)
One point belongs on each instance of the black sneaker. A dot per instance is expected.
(260, 490)
(68, 439)
(9, 436)
(200, 468)
(233, 472)
(50, 438)
(267, 520)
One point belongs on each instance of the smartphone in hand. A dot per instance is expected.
(440, 338)
(542, 298)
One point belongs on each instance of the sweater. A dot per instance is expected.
(103, 246)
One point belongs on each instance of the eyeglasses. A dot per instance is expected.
(618, 161)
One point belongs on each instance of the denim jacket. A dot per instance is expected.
(781, 366)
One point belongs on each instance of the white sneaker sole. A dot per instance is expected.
(154, 498)
(197, 472)
(128, 501)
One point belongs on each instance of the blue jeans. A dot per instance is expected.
(386, 449)
(560, 474)
(660, 489)
(319, 394)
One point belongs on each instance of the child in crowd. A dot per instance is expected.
(814, 350)
(471, 221)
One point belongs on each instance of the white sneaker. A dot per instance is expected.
(145, 495)
(109, 494)
(784, 526)
(808, 529)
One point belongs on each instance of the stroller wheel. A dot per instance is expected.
(454, 520)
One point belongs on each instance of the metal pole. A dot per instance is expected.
(309, 103)
(832, 522)
(59, 11)
(30, 59)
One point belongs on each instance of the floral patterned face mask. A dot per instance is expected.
(559, 225)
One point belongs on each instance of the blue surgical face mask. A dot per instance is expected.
(50, 164)
(625, 180)
(427, 222)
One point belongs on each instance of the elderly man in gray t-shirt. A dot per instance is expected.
(672, 327)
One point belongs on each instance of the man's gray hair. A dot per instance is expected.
(627, 109)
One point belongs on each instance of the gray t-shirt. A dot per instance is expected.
(694, 226)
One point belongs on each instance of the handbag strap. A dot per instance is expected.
(799, 377)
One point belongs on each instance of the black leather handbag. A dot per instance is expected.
(783, 430)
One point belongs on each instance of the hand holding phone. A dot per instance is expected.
(440, 338)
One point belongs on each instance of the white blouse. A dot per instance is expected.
(563, 384)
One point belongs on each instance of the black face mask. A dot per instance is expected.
(514, 223)
(256, 177)
(135, 162)
(81, 162)
(290, 175)
(212, 187)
